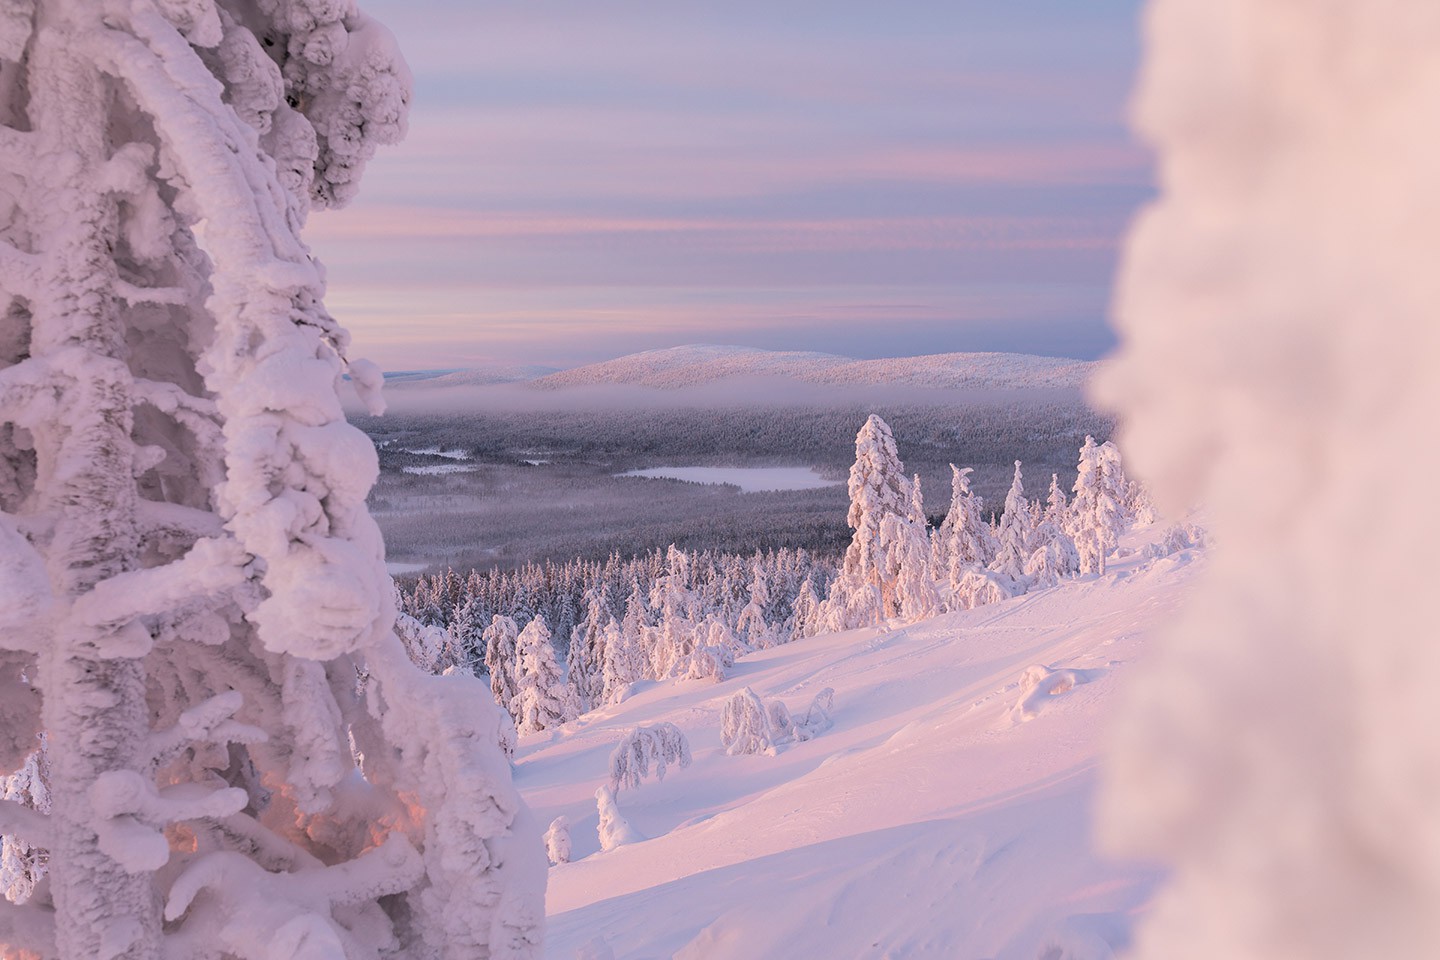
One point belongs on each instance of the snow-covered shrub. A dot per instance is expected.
(749, 725)
(1052, 562)
(655, 746)
(817, 715)
(614, 830)
(745, 725)
(557, 840)
(979, 587)
(1177, 537)
(196, 568)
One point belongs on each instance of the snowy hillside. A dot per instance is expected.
(945, 814)
(695, 364)
(706, 363)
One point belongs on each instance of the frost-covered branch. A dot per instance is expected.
(257, 915)
(134, 294)
(18, 820)
(208, 722)
(132, 811)
(210, 567)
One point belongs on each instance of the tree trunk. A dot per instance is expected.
(95, 711)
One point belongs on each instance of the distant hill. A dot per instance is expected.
(690, 366)
(470, 377)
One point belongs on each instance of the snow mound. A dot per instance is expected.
(1040, 684)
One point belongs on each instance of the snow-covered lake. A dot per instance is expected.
(748, 479)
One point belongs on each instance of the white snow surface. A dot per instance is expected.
(748, 479)
(929, 821)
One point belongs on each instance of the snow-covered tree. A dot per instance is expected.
(501, 659)
(625, 658)
(557, 840)
(752, 626)
(655, 746)
(585, 659)
(673, 638)
(426, 644)
(805, 612)
(543, 700)
(1017, 534)
(192, 583)
(865, 591)
(963, 539)
(907, 561)
(1097, 513)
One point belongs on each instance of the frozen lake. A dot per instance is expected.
(748, 479)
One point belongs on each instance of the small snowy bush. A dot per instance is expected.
(614, 830)
(557, 840)
(749, 725)
(657, 746)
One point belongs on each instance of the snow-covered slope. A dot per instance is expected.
(933, 820)
(699, 364)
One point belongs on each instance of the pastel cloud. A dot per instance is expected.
(583, 179)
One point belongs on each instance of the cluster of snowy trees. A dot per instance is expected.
(679, 616)
(898, 567)
(722, 584)
(239, 759)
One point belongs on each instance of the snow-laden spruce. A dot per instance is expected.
(887, 540)
(542, 700)
(242, 759)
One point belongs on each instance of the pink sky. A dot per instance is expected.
(583, 181)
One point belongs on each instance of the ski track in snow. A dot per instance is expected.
(936, 818)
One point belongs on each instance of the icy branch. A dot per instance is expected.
(208, 722)
(211, 567)
(17, 820)
(131, 811)
(28, 928)
(133, 294)
(25, 587)
(256, 915)
(158, 519)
